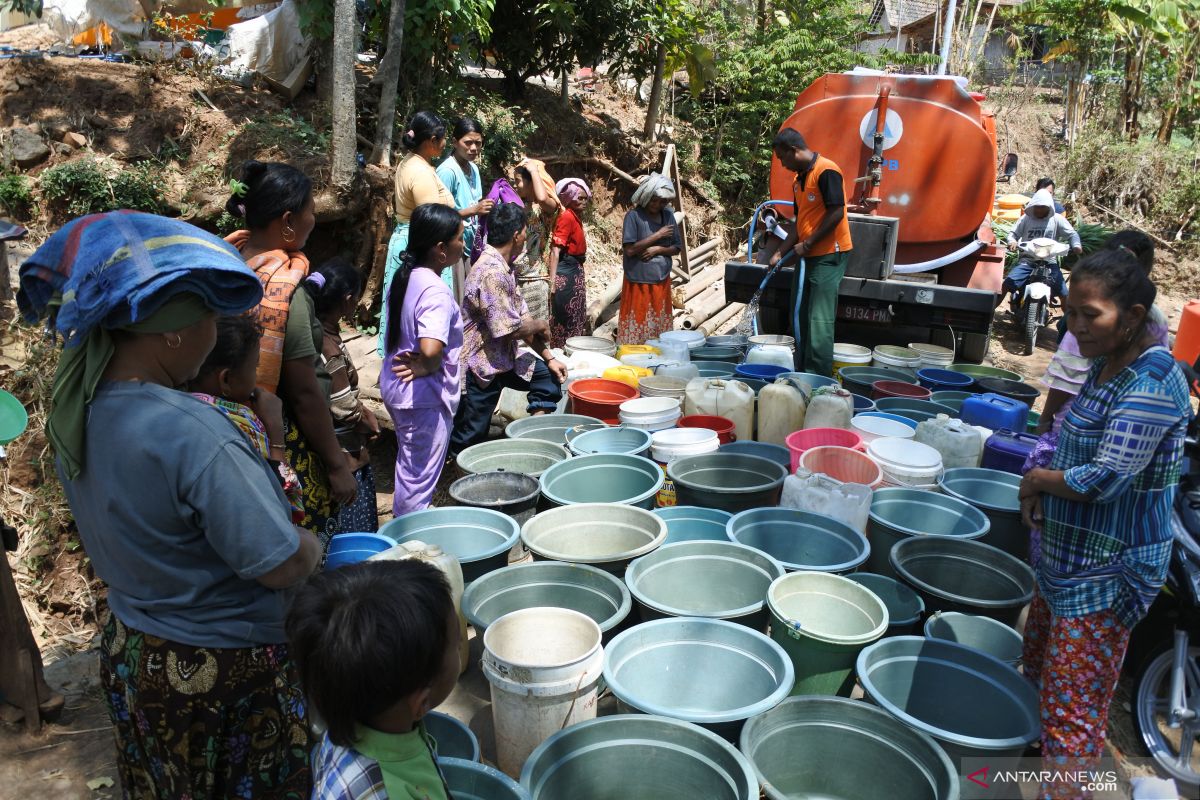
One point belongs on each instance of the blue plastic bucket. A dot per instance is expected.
(762, 372)
(351, 548)
(862, 404)
(943, 379)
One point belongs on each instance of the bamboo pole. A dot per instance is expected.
(713, 324)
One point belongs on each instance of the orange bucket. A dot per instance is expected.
(600, 398)
(843, 464)
(1187, 341)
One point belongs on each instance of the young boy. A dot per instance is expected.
(377, 648)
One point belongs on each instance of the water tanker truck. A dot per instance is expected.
(919, 163)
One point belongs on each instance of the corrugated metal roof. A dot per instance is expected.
(901, 13)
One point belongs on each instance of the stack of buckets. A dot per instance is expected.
(668, 445)
(887, 355)
(932, 355)
(651, 413)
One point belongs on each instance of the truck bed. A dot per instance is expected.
(872, 312)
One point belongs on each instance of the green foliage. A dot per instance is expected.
(30, 8)
(507, 130)
(1141, 180)
(88, 185)
(556, 34)
(287, 133)
(16, 195)
(758, 78)
(227, 224)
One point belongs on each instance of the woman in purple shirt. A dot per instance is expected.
(423, 340)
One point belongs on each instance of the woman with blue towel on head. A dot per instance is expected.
(180, 517)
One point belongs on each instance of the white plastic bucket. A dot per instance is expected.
(933, 355)
(773, 339)
(906, 463)
(668, 445)
(651, 413)
(850, 355)
(590, 344)
(544, 665)
(872, 428)
(889, 356)
(692, 339)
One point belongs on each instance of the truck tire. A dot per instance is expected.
(1032, 322)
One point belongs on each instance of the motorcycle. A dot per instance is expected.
(1166, 686)
(1031, 302)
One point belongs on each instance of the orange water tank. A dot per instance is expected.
(939, 157)
(1187, 341)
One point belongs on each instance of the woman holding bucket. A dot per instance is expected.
(1104, 506)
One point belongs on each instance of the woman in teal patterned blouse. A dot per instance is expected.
(1104, 505)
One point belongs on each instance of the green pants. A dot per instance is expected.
(818, 310)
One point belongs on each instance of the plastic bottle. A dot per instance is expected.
(958, 442)
(448, 564)
(733, 400)
(848, 502)
(771, 354)
(829, 407)
(781, 409)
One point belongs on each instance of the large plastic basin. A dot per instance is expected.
(898, 514)
(479, 538)
(966, 576)
(593, 592)
(528, 456)
(801, 540)
(603, 478)
(604, 535)
(727, 481)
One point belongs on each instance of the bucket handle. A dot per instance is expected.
(574, 699)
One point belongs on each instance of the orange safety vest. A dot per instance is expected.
(810, 210)
(280, 273)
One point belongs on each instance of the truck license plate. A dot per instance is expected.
(864, 314)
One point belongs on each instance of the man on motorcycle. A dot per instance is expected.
(1039, 221)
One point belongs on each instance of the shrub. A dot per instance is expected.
(88, 186)
(16, 195)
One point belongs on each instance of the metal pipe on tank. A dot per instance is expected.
(947, 35)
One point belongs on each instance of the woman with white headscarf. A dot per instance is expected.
(649, 241)
(568, 251)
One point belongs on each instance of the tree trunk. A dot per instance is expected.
(660, 67)
(343, 139)
(761, 14)
(564, 94)
(1184, 76)
(388, 78)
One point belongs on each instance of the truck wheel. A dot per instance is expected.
(1032, 320)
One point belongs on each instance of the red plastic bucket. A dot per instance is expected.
(722, 425)
(809, 438)
(600, 398)
(842, 464)
(882, 389)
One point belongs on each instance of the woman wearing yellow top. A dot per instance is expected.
(417, 183)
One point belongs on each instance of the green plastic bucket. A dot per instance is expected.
(898, 514)
(13, 418)
(605, 535)
(799, 750)
(713, 580)
(995, 494)
(638, 757)
(983, 371)
(603, 478)
(822, 621)
(579, 587)
(905, 607)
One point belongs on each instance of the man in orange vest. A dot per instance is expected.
(822, 238)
